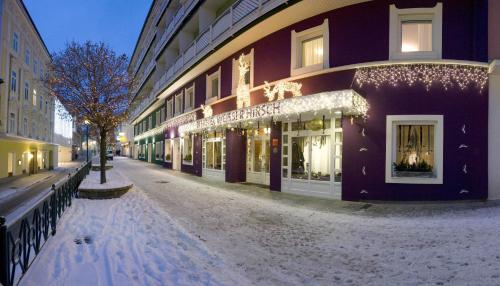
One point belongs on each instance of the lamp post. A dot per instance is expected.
(87, 124)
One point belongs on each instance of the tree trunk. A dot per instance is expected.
(103, 155)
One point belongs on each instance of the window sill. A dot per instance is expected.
(414, 181)
(304, 70)
(211, 100)
(415, 56)
(187, 163)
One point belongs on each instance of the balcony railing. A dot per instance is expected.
(174, 24)
(159, 11)
(142, 77)
(236, 17)
(141, 56)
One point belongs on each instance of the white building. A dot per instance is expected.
(63, 132)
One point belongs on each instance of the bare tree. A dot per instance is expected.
(92, 82)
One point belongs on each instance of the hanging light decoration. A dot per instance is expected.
(347, 101)
(446, 75)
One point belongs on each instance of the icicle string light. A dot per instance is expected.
(446, 75)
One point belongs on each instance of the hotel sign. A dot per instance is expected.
(347, 101)
(257, 112)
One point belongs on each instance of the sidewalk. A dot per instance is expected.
(14, 191)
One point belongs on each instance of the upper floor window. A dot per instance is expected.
(41, 73)
(12, 123)
(35, 66)
(170, 107)
(162, 114)
(27, 56)
(415, 33)
(150, 122)
(189, 98)
(34, 97)
(157, 118)
(15, 42)
(13, 81)
(46, 106)
(178, 104)
(26, 91)
(213, 86)
(41, 102)
(310, 49)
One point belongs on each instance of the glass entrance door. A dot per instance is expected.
(258, 155)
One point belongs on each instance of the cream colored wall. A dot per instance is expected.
(64, 154)
(494, 133)
(19, 148)
(14, 19)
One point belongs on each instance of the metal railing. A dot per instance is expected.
(22, 238)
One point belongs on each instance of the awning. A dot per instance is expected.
(347, 101)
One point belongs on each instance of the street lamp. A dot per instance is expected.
(87, 123)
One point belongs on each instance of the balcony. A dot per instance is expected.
(145, 44)
(232, 20)
(174, 24)
(235, 18)
(142, 78)
(159, 11)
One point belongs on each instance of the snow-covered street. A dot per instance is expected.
(176, 229)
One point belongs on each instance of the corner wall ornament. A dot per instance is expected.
(280, 88)
(446, 75)
(207, 110)
(243, 89)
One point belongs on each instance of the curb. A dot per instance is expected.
(99, 194)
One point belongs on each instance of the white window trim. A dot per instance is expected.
(186, 90)
(192, 149)
(178, 97)
(236, 71)
(170, 113)
(209, 78)
(298, 38)
(397, 16)
(391, 121)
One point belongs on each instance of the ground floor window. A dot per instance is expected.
(414, 151)
(214, 151)
(168, 150)
(159, 151)
(312, 150)
(187, 149)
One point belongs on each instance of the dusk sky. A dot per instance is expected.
(115, 22)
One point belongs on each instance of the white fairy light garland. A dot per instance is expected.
(448, 75)
(176, 121)
(346, 101)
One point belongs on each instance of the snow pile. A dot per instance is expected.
(126, 241)
(113, 180)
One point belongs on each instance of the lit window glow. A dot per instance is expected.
(416, 36)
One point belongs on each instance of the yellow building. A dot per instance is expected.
(26, 108)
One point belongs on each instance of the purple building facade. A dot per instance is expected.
(373, 100)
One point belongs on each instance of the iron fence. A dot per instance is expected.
(22, 238)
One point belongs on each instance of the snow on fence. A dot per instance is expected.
(22, 238)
